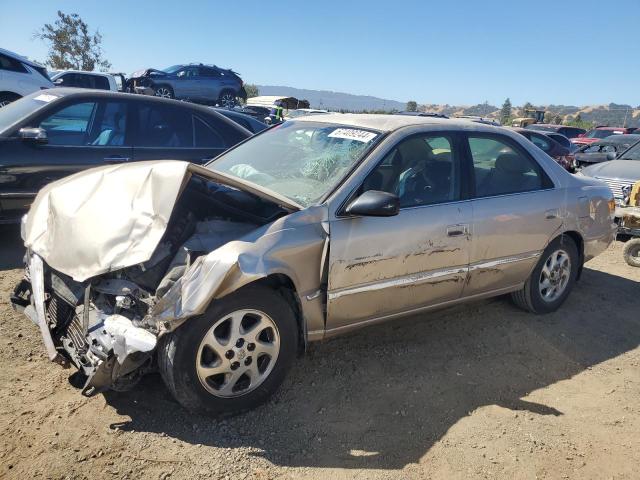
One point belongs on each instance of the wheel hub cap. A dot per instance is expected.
(555, 275)
(237, 353)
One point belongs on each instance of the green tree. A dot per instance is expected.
(412, 106)
(505, 112)
(71, 45)
(252, 90)
(557, 119)
(548, 116)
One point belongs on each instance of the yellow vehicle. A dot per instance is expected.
(630, 225)
(532, 116)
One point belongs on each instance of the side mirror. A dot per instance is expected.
(374, 203)
(59, 81)
(611, 155)
(35, 135)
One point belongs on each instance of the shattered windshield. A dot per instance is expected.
(302, 161)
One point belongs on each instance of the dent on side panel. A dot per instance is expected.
(590, 216)
(292, 246)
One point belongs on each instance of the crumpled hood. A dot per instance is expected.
(106, 218)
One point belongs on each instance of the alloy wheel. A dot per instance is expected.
(163, 92)
(237, 353)
(555, 275)
(228, 100)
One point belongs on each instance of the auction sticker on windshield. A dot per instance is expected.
(353, 134)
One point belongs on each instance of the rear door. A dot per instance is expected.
(210, 83)
(81, 134)
(175, 133)
(516, 211)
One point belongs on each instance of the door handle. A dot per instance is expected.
(550, 214)
(458, 230)
(116, 159)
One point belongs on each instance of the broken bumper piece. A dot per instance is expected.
(109, 350)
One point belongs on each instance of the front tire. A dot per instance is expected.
(631, 252)
(552, 279)
(234, 356)
(164, 91)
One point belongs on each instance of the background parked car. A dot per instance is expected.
(599, 133)
(604, 150)
(49, 135)
(247, 121)
(567, 131)
(82, 79)
(19, 77)
(555, 150)
(199, 83)
(620, 174)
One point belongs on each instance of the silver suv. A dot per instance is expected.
(199, 83)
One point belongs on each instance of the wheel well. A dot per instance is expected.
(282, 284)
(13, 94)
(577, 239)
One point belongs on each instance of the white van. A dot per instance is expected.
(82, 79)
(19, 77)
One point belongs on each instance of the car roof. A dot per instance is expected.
(20, 58)
(610, 128)
(389, 123)
(102, 74)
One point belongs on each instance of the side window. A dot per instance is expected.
(500, 169)
(161, 126)
(11, 65)
(100, 82)
(111, 125)
(421, 170)
(209, 72)
(540, 142)
(205, 136)
(70, 125)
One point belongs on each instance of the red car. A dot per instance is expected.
(599, 133)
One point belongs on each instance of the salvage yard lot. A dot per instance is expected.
(481, 390)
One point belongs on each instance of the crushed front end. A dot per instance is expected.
(96, 326)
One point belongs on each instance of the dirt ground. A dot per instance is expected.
(478, 391)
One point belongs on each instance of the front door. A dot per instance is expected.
(381, 266)
(80, 135)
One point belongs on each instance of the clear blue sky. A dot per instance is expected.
(457, 52)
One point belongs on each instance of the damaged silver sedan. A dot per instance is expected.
(218, 276)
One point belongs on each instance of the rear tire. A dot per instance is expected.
(198, 367)
(552, 279)
(631, 252)
(164, 91)
(7, 98)
(227, 99)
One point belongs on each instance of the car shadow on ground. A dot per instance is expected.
(380, 398)
(11, 247)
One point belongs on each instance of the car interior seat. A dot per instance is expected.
(113, 135)
(509, 175)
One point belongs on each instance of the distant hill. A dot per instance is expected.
(333, 100)
(613, 114)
